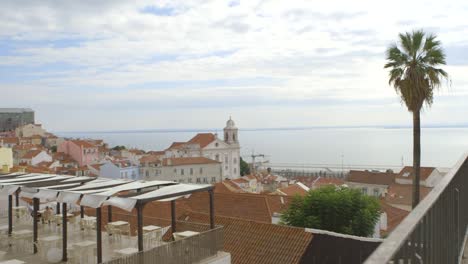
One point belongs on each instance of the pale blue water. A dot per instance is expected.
(358, 146)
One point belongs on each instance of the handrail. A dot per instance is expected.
(412, 235)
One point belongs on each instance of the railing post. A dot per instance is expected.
(140, 226)
(212, 219)
(173, 216)
(98, 235)
(10, 214)
(64, 232)
(35, 219)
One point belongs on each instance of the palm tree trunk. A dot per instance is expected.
(416, 156)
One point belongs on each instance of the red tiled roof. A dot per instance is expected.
(371, 177)
(187, 161)
(240, 180)
(175, 145)
(156, 153)
(151, 159)
(82, 143)
(403, 193)
(293, 189)
(321, 181)
(203, 139)
(31, 154)
(9, 140)
(240, 205)
(259, 243)
(394, 216)
(408, 170)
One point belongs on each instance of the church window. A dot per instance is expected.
(234, 137)
(235, 160)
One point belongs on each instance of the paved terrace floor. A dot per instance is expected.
(75, 235)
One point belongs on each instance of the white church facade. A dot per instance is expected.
(209, 145)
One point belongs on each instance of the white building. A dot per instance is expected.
(208, 145)
(34, 157)
(30, 130)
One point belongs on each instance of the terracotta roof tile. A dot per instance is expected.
(31, 154)
(259, 243)
(371, 177)
(203, 139)
(293, 189)
(321, 181)
(176, 145)
(403, 193)
(407, 173)
(9, 140)
(83, 143)
(394, 216)
(151, 159)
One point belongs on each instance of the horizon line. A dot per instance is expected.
(181, 130)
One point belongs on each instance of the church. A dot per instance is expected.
(209, 145)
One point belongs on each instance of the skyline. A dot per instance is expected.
(122, 65)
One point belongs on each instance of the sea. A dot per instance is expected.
(366, 147)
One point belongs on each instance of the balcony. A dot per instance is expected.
(435, 231)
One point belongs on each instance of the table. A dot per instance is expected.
(118, 223)
(185, 234)
(47, 243)
(20, 211)
(12, 261)
(126, 251)
(81, 250)
(23, 232)
(150, 228)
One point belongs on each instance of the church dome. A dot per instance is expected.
(230, 123)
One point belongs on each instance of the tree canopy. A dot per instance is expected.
(338, 209)
(244, 168)
(118, 148)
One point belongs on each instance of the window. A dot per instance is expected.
(216, 144)
(235, 160)
(376, 192)
(126, 175)
(217, 157)
(181, 171)
(364, 190)
(234, 137)
(198, 180)
(175, 171)
(201, 170)
(213, 179)
(191, 171)
(235, 170)
(147, 173)
(205, 180)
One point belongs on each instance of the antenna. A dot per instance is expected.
(253, 156)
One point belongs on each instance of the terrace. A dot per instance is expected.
(78, 234)
(435, 231)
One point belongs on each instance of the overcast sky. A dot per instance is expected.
(108, 65)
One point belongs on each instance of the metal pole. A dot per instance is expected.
(212, 220)
(98, 235)
(140, 226)
(10, 214)
(58, 208)
(173, 216)
(64, 232)
(81, 211)
(35, 219)
(17, 198)
(109, 214)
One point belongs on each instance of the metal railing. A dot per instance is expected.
(185, 251)
(434, 232)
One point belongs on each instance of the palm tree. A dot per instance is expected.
(414, 74)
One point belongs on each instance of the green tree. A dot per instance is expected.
(53, 149)
(244, 168)
(413, 63)
(118, 148)
(337, 209)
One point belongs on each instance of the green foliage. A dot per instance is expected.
(244, 168)
(413, 68)
(336, 209)
(118, 148)
(53, 149)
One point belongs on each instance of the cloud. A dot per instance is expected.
(211, 56)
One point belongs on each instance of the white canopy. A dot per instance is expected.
(55, 178)
(23, 179)
(79, 178)
(46, 195)
(97, 185)
(95, 200)
(129, 203)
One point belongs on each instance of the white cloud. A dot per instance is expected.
(328, 50)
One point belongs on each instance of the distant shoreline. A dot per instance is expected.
(252, 129)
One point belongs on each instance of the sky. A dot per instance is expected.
(122, 65)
